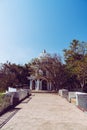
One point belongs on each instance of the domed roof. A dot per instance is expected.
(44, 54)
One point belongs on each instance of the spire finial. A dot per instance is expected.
(44, 51)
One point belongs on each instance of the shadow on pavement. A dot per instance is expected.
(9, 113)
(26, 100)
(7, 116)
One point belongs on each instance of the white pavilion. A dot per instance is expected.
(40, 82)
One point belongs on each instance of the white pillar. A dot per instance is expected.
(50, 85)
(31, 84)
(40, 85)
(37, 86)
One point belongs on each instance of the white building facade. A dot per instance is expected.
(39, 80)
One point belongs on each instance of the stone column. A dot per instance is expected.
(40, 85)
(31, 84)
(37, 87)
(50, 86)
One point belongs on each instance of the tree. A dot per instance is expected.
(52, 67)
(13, 75)
(76, 62)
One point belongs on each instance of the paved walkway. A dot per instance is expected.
(47, 112)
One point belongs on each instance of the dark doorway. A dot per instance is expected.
(33, 85)
(44, 85)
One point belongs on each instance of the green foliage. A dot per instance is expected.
(76, 62)
(52, 70)
(1, 96)
(13, 75)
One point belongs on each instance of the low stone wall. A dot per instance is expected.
(79, 93)
(6, 101)
(19, 96)
(71, 95)
(60, 92)
(63, 93)
(77, 98)
(81, 101)
(10, 89)
(28, 91)
(10, 99)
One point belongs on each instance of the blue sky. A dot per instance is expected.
(29, 26)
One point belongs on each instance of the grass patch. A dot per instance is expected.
(1, 96)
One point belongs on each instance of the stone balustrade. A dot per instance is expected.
(11, 98)
(6, 100)
(81, 100)
(71, 95)
(19, 96)
(77, 98)
(63, 93)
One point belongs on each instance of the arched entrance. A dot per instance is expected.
(33, 85)
(44, 85)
